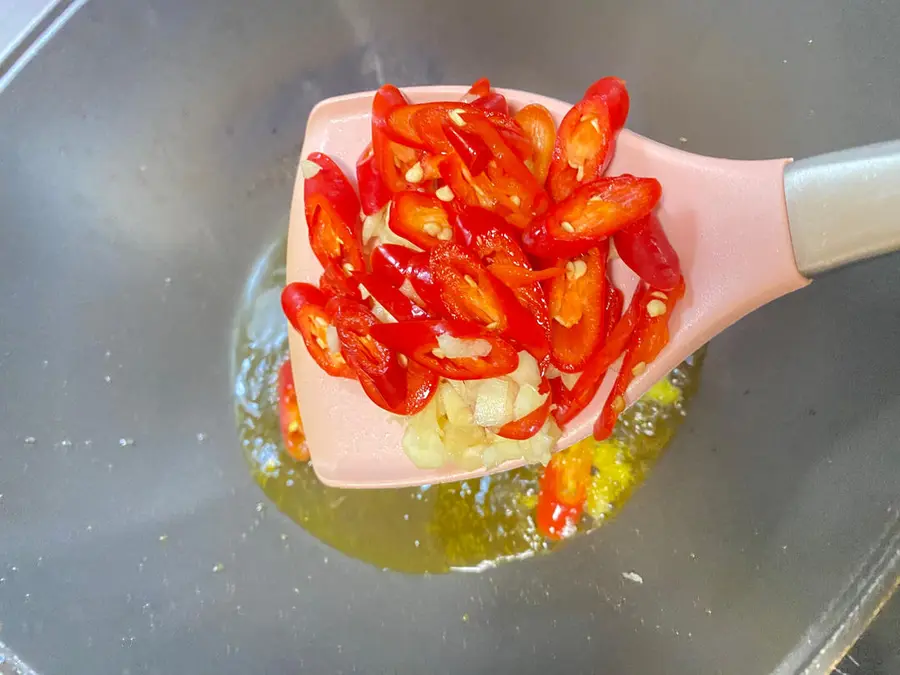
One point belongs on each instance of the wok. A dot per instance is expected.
(147, 152)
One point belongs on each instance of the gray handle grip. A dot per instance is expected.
(844, 206)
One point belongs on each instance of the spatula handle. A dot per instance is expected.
(844, 206)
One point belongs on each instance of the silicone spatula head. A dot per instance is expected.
(726, 219)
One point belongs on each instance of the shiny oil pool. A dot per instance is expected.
(438, 528)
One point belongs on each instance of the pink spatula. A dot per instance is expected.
(746, 232)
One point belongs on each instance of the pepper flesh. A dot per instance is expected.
(538, 125)
(582, 147)
(419, 341)
(577, 304)
(289, 415)
(332, 214)
(650, 336)
(645, 248)
(591, 213)
(470, 292)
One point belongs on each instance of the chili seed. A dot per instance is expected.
(656, 308)
(456, 117)
(444, 193)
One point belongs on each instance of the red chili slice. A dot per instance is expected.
(563, 491)
(297, 294)
(573, 401)
(644, 247)
(472, 150)
(304, 307)
(613, 92)
(421, 386)
(515, 277)
(421, 126)
(506, 186)
(492, 102)
(378, 363)
(289, 415)
(420, 218)
(539, 128)
(470, 292)
(615, 301)
(527, 426)
(650, 336)
(419, 341)
(391, 262)
(538, 242)
(332, 214)
(480, 87)
(392, 159)
(335, 282)
(399, 264)
(397, 305)
(514, 189)
(593, 212)
(577, 301)
(495, 244)
(373, 193)
(582, 148)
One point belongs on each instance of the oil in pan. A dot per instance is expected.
(467, 525)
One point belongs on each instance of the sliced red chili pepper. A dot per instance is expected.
(332, 214)
(539, 128)
(373, 193)
(615, 302)
(421, 278)
(488, 235)
(480, 87)
(335, 282)
(582, 148)
(644, 247)
(496, 107)
(563, 491)
(391, 262)
(613, 92)
(506, 186)
(650, 336)
(492, 102)
(297, 294)
(538, 242)
(419, 341)
(515, 189)
(371, 359)
(304, 306)
(399, 264)
(577, 301)
(527, 426)
(396, 303)
(421, 386)
(593, 212)
(421, 125)
(472, 150)
(392, 159)
(495, 244)
(470, 292)
(466, 188)
(431, 168)
(571, 402)
(420, 218)
(289, 415)
(515, 277)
